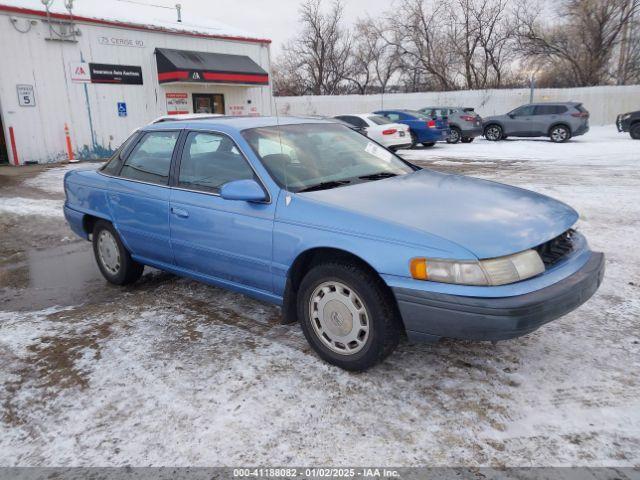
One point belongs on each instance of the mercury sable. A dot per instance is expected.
(353, 242)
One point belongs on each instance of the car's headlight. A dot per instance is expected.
(625, 116)
(495, 271)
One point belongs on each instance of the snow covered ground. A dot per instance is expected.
(173, 372)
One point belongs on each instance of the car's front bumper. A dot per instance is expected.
(429, 315)
(622, 125)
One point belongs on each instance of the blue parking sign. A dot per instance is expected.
(122, 109)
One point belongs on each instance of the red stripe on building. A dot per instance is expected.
(65, 17)
(236, 77)
(173, 76)
(14, 150)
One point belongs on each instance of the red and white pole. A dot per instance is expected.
(14, 149)
(69, 146)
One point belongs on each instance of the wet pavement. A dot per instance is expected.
(173, 372)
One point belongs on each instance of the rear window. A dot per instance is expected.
(379, 120)
(581, 109)
(150, 159)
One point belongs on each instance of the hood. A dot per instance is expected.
(494, 118)
(486, 218)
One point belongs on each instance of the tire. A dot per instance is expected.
(493, 133)
(455, 136)
(467, 140)
(559, 134)
(113, 259)
(428, 144)
(634, 131)
(333, 334)
(414, 139)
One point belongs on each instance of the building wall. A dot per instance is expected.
(604, 103)
(90, 110)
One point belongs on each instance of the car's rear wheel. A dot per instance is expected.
(428, 144)
(112, 257)
(493, 133)
(559, 134)
(467, 140)
(414, 139)
(347, 315)
(455, 136)
(634, 131)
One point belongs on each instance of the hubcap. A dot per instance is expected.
(493, 133)
(108, 252)
(454, 137)
(339, 318)
(559, 134)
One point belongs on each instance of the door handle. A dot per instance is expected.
(178, 212)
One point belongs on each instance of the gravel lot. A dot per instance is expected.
(173, 372)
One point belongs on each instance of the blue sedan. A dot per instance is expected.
(424, 129)
(353, 242)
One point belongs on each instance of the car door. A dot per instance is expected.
(139, 197)
(544, 117)
(228, 240)
(521, 121)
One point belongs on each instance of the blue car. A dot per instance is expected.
(353, 242)
(424, 129)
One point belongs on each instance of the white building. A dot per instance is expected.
(77, 83)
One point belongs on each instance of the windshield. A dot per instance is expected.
(318, 156)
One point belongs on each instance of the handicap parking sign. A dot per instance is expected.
(122, 109)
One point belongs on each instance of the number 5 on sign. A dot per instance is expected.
(26, 97)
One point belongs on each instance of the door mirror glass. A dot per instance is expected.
(245, 190)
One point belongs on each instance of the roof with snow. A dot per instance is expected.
(135, 14)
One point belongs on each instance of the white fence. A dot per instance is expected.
(604, 103)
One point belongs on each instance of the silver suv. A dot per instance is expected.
(464, 122)
(558, 121)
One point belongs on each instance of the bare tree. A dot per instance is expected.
(583, 42)
(322, 48)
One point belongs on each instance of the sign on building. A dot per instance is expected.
(122, 109)
(117, 74)
(177, 103)
(26, 96)
(79, 72)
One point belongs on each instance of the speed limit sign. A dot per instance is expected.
(26, 97)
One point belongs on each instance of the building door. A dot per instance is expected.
(208, 103)
(4, 152)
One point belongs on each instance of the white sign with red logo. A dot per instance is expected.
(177, 103)
(80, 72)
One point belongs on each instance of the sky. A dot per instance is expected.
(273, 19)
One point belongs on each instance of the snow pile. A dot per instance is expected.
(139, 13)
(23, 206)
(52, 179)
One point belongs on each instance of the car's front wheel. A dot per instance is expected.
(455, 136)
(112, 257)
(493, 133)
(347, 315)
(559, 134)
(635, 131)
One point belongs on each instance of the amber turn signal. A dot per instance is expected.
(418, 268)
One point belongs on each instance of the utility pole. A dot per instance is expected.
(624, 47)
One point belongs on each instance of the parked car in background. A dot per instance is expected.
(394, 136)
(558, 121)
(423, 129)
(352, 241)
(465, 124)
(629, 122)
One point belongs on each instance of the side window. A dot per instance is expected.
(150, 159)
(523, 111)
(209, 161)
(112, 167)
(560, 109)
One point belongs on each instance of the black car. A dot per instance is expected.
(629, 122)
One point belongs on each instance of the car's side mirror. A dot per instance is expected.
(245, 190)
(512, 115)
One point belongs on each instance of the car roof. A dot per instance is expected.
(237, 123)
(552, 103)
